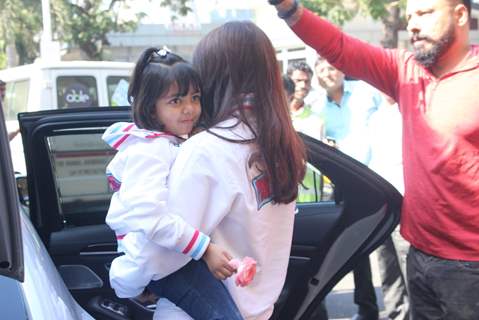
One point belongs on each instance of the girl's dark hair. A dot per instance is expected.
(154, 73)
(238, 59)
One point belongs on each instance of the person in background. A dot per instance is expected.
(346, 108)
(435, 87)
(386, 159)
(3, 89)
(304, 118)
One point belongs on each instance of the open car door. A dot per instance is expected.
(11, 249)
(347, 212)
(68, 198)
(344, 213)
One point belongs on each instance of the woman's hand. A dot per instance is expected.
(217, 260)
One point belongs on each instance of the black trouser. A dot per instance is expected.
(442, 289)
(364, 293)
(392, 269)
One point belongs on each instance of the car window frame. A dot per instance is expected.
(43, 201)
(11, 247)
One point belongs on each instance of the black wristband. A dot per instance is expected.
(275, 2)
(288, 14)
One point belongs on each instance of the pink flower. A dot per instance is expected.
(245, 270)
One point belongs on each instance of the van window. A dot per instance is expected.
(16, 98)
(117, 90)
(76, 91)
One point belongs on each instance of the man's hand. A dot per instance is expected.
(285, 6)
(217, 260)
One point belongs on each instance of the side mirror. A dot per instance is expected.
(22, 188)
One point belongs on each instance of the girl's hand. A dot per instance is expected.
(147, 297)
(246, 270)
(217, 260)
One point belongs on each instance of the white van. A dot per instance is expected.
(62, 84)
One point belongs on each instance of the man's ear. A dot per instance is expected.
(461, 15)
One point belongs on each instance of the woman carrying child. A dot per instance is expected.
(165, 95)
(237, 180)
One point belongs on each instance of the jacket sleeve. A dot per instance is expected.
(355, 58)
(141, 205)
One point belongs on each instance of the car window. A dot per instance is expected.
(316, 187)
(78, 166)
(77, 91)
(16, 98)
(117, 90)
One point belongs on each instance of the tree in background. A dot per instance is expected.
(82, 23)
(86, 23)
(389, 12)
(20, 25)
(179, 6)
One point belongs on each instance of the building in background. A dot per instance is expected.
(182, 35)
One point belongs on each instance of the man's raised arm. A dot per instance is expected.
(352, 56)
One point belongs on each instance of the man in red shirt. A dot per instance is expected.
(436, 89)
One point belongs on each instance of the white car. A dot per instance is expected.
(55, 248)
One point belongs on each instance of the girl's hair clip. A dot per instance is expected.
(163, 52)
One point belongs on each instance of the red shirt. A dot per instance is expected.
(440, 213)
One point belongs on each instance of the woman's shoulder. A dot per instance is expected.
(227, 134)
(216, 146)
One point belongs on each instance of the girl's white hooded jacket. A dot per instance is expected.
(138, 213)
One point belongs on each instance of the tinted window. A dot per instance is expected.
(117, 90)
(16, 98)
(78, 164)
(316, 187)
(77, 91)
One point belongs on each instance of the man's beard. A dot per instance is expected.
(429, 57)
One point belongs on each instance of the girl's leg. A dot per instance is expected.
(194, 289)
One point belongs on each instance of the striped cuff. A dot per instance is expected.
(197, 245)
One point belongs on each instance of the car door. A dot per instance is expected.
(345, 212)
(11, 250)
(68, 197)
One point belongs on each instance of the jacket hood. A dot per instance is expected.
(121, 134)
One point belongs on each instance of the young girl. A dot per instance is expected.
(241, 175)
(165, 96)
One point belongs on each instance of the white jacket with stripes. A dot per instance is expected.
(139, 214)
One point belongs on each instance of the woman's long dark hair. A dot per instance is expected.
(238, 59)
